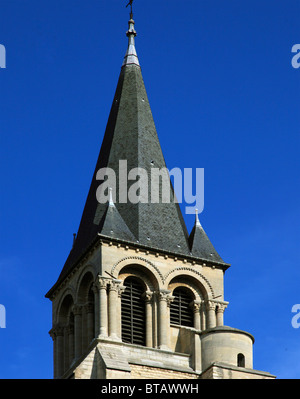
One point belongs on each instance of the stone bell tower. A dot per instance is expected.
(139, 297)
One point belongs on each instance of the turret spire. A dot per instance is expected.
(197, 222)
(110, 202)
(200, 244)
(131, 56)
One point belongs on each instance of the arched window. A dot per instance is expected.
(180, 309)
(85, 299)
(240, 360)
(133, 312)
(64, 347)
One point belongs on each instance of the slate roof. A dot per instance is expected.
(112, 224)
(200, 245)
(131, 135)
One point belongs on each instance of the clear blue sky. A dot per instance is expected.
(224, 97)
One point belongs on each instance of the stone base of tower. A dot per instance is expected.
(109, 359)
(223, 371)
(116, 360)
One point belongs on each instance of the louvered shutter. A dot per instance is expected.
(180, 310)
(133, 312)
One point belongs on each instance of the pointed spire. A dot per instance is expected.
(200, 244)
(110, 202)
(197, 222)
(131, 57)
(131, 135)
(112, 224)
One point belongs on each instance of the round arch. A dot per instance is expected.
(199, 283)
(84, 284)
(65, 307)
(141, 268)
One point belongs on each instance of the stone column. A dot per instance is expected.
(89, 309)
(66, 348)
(100, 290)
(96, 309)
(71, 344)
(53, 336)
(211, 309)
(77, 311)
(148, 296)
(121, 289)
(113, 309)
(203, 317)
(59, 332)
(196, 352)
(220, 313)
(83, 329)
(197, 319)
(165, 299)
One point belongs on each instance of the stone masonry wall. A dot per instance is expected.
(145, 372)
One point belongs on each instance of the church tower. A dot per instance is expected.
(139, 297)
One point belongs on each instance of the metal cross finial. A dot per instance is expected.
(130, 4)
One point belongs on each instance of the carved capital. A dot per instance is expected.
(196, 306)
(121, 289)
(164, 295)
(101, 283)
(170, 299)
(52, 333)
(89, 307)
(58, 331)
(77, 310)
(221, 306)
(148, 296)
(70, 330)
(115, 285)
(211, 305)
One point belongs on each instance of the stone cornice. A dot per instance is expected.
(101, 239)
